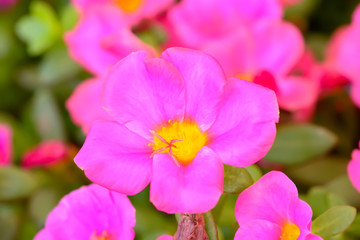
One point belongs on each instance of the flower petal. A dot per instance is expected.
(355, 92)
(279, 46)
(258, 229)
(5, 144)
(84, 104)
(270, 198)
(354, 169)
(88, 210)
(195, 188)
(203, 82)
(245, 126)
(144, 93)
(116, 158)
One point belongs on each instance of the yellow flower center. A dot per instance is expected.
(103, 236)
(182, 140)
(289, 232)
(246, 76)
(128, 5)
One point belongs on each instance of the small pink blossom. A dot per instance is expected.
(47, 153)
(271, 210)
(247, 38)
(343, 53)
(5, 4)
(84, 104)
(5, 144)
(90, 213)
(176, 120)
(354, 168)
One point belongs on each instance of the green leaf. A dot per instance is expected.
(46, 116)
(300, 143)
(354, 229)
(344, 188)
(69, 17)
(321, 199)
(318, 172)
(334, 221)
(41, 203)
(16, 183)
(40, 29)
(57, 66)
(210, 226)
(236, 179)
(8, 222)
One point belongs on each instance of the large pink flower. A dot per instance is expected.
(246, 37)
(5, 144)
(176, 120)
(271, 210)
(90, 213)
(354, 168)
(343, 54)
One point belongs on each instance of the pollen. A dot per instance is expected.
(102, 236)
(246, 76)
(128, 5)
(289, 232)
(181, 140)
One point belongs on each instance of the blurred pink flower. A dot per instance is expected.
(5, 4)
(47, 153)
(354, 168)
(271, 210)
(90, 213)
(84, 104)
(247, 38)
(165, 237)
(177, 119)
(102, 38)
(5, 144)
(343, 53)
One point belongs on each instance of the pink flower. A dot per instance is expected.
(5, 4)
(176, 120)
(47, 153)
(247, 38)
(5, 144)
(101, 38)
(165, 237)
(91, 212)
(84, 104)
(354, 168)
(343, 52)
(271, 210)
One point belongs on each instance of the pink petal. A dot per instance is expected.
(84, 104)
(258, 229)
(116, 158)
(356, 15)
(245, 126)
(354, 169)
(279, 46)
(5, 144)
(165, 237)
(195, 188)
(47, 153)
(203, 82)
(300, 214)
(87, 210)
(144, 93)
(270, 199)
(355, 92)
(253, 11)
(297, 92)
(101, 39)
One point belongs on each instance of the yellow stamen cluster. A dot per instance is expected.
(289, 232)
(246, 76)
(128, 5)
(103, 236)
(181, 140)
